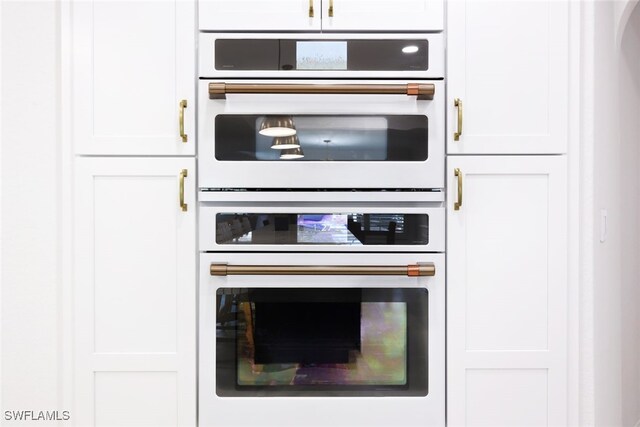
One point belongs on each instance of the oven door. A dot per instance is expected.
(319, 339)
(321, 228)
(321, 140)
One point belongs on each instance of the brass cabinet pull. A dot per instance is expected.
(183, 175)
(330, 8)
(458, 104)
(311, 14)
(424, 91)
(411, 270)
(457, 205)
(183, 105)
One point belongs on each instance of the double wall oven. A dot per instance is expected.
(321, 170)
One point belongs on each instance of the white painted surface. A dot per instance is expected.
(30, 235)
(257, 15)
(507, 291)
(133, 61)
(349, 15)
(629, 114)
(321, 411)
(135, 286)
(383, 15)
(508, 63)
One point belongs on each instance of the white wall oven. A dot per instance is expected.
(321, 211)
(316, 122)
(320, 339)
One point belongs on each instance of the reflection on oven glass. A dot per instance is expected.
(379, 358)
(352, 229)
(321, 138)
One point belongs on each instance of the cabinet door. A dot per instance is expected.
(133, 64)
(134, 293)
(508, 65)
(382, 15)
(260, 15)
(507, 292)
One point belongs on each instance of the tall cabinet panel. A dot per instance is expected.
(508, 76)
(507, 291)
(135, 292)
(133, 89)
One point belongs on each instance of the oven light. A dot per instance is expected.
(285, 142)
(292, 153)
(410, 49)
(277, 126)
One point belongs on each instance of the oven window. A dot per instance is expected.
(348, 229)
(321, 342)
(399, 138)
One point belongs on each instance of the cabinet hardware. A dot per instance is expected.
(424, 91)
(183, 175)
(311, 14)
(330, 8)
(458, 104)
(183, 105)
(457, 205)
(411, 270)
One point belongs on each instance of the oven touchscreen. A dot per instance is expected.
(321, 341)
(320, 55)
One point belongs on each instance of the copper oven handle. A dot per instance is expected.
(411, 270)
(219, 90)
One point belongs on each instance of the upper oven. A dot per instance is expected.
(321, 111)
(321, 134)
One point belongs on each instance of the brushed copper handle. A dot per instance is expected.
(458, 104)
(183, 105)
(411, 270)
(423, 91)
(330, 8)
(457, 205)
(311, 13)
(183, 174)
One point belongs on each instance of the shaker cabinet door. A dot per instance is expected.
(382, 15)
(508, 65)
(260, 15)
(507, 291)
(135, 292)
(133, 77)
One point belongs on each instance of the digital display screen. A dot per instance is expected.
(321, 55)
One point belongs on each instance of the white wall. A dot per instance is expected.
(607, 196)
(30, 186)
(629, 119)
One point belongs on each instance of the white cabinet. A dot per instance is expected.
(382, 15)
(507, 292)
(134, 292)
(133, 62)
(326, 15)
(508, 64)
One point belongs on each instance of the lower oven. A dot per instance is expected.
(322, 339)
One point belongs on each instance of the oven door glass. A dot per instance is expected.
(321, 342)
(374, 138)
